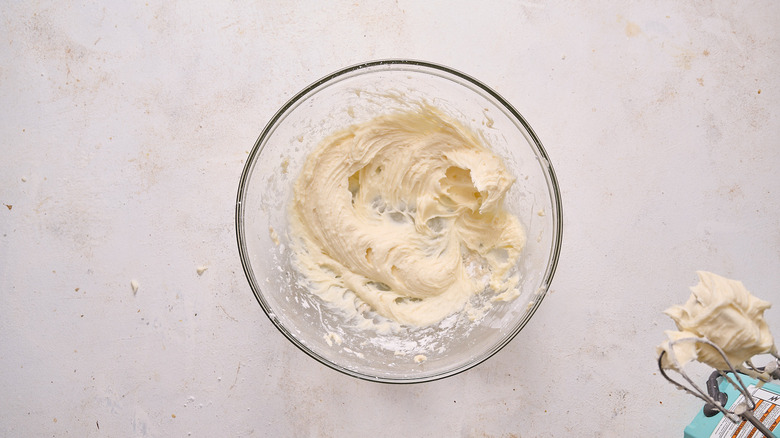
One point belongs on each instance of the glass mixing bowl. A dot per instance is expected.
(354, 95)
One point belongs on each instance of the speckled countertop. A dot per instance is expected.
(124, 129)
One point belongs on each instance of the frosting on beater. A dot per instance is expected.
(724, 312)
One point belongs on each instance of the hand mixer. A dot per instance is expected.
(722, 326)
(742, 409)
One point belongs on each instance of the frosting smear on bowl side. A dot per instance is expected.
(405, 214)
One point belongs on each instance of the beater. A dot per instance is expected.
(716, 396)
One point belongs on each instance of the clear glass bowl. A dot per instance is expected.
(357, 94)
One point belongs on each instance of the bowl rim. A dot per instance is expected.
(434, 68)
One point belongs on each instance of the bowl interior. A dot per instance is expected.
(355, 95)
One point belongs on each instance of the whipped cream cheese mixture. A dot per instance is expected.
(404, 216)
(724, 312)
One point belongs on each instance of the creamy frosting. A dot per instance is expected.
(724, 312)
(406, 212)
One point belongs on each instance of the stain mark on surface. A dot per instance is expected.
(219, 306)
(632, 29)
(684, 60)
(235, 380)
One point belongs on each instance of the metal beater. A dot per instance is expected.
(712, 397)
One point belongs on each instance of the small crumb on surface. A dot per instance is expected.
(134, 285)
(201, 269)
(420, 358)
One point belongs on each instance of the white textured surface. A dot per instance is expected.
(124, 130)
